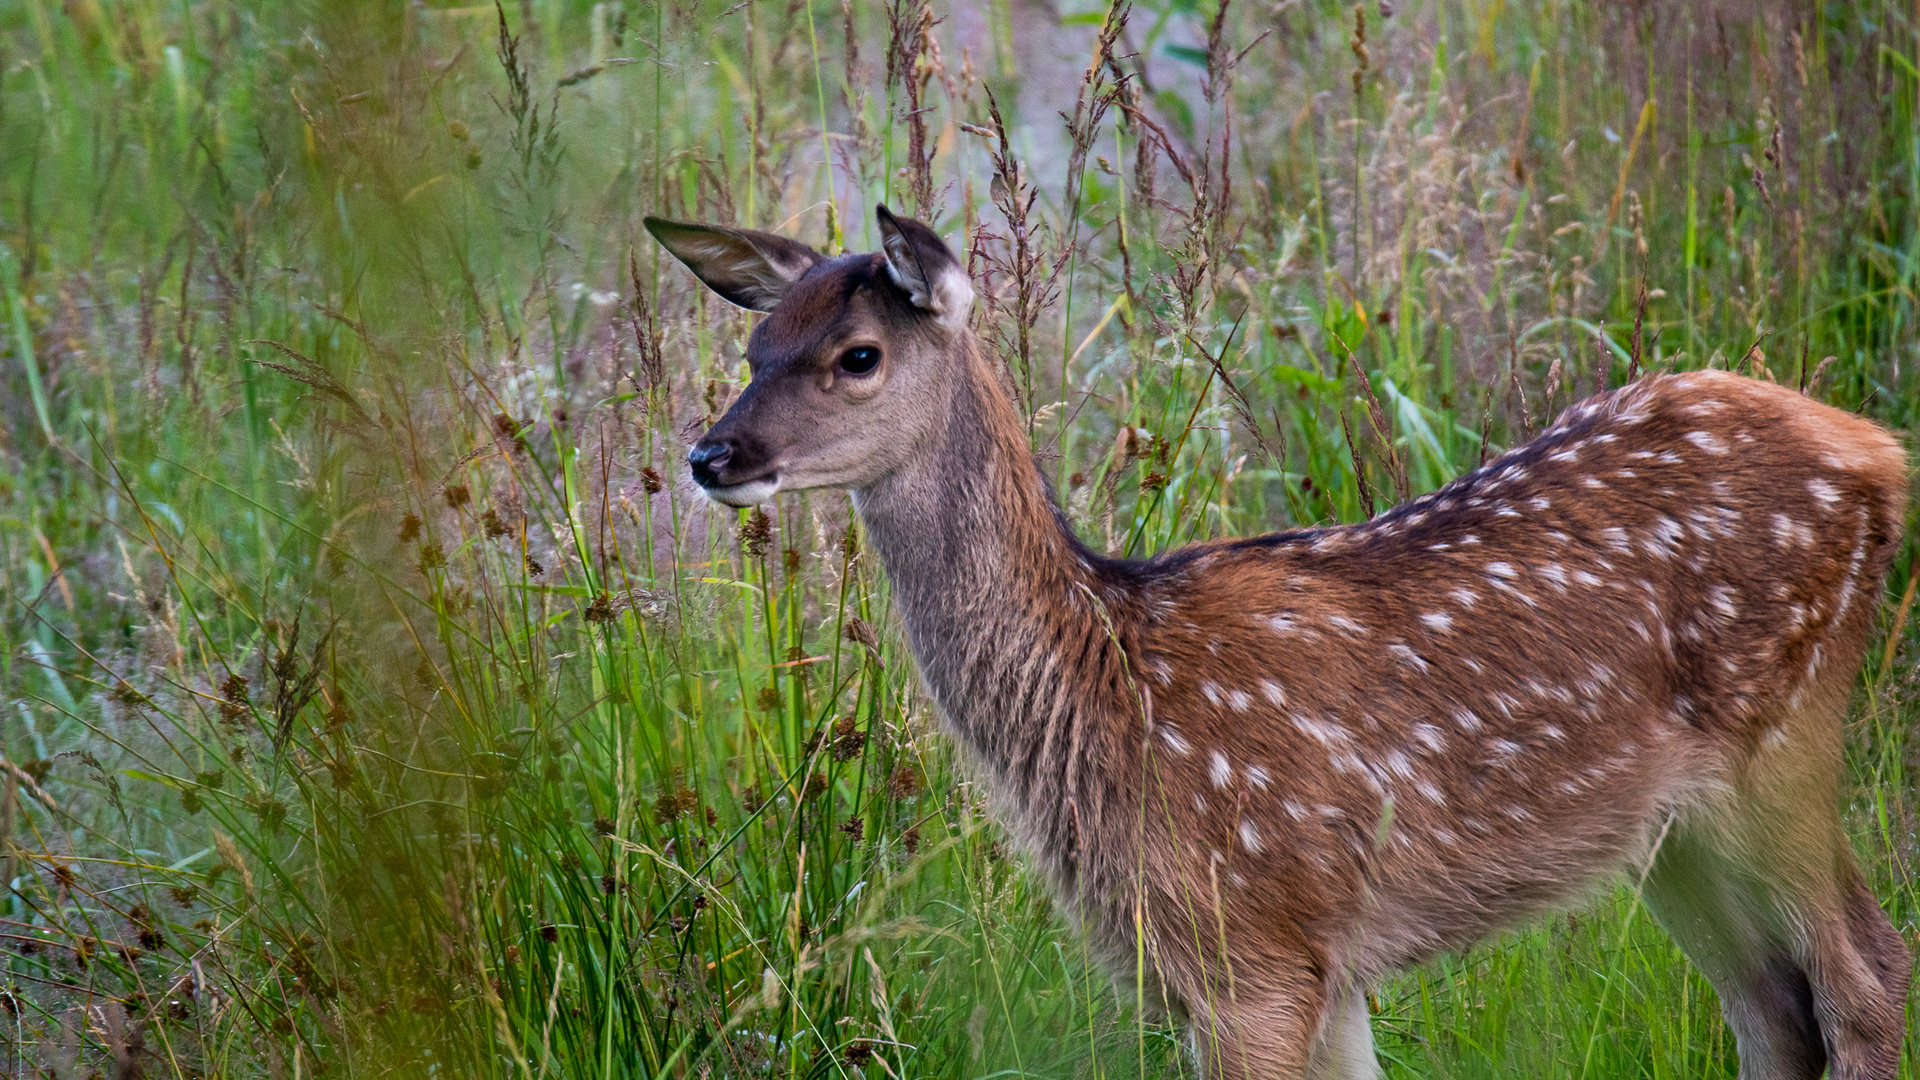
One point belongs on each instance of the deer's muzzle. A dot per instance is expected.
(706, 461)
(727, 475)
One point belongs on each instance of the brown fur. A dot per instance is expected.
(1302, 760)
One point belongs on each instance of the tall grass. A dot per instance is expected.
(379, 698)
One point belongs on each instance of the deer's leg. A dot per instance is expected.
(1873, 934)
(1859, 969)
(1263, 1033)
(1762, 891)
(1790, 841)
(1345, 1047)
(1720, 920)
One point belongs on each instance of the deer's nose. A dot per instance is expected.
(707, 461)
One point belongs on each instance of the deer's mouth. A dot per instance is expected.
(710, 461)
(746, 493)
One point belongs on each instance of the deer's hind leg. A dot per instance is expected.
(1720, 920)
(1762, 892)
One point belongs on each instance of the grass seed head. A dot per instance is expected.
(756, 533)
(669, 807)
(600, 611)
(904, 781)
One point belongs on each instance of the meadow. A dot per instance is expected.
(378, 698)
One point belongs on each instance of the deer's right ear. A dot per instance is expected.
(750, 268)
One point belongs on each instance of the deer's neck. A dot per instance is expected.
(1013, 626)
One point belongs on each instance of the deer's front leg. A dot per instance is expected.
(1284, 1026)
(1344, 1050)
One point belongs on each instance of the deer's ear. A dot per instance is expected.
(746, 267)
(921, 265)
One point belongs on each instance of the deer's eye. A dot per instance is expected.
(859, 361)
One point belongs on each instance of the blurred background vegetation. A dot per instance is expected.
(376, 698)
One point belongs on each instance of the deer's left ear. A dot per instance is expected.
(920, 264)
(747, 267)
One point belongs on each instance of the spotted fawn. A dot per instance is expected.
(1291, 764)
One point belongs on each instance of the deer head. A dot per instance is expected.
(851, 367)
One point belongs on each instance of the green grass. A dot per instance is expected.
(376, 698)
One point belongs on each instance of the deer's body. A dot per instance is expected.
(1302, 760)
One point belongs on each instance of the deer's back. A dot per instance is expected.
(1465, 701)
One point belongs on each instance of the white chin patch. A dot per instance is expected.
(751, 493)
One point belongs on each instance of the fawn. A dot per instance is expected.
(1296, 762)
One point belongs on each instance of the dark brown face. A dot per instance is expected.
(850, 367)
(828, 374)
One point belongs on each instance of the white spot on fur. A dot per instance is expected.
(1399, 764)
(1239, 700)
(1437, 621)
(1799, 613)
(1273, 692)
(1173, 740)
(1284, 624)
(1706, 440)
(1408, 657)
(1827, 494)
(1211, 692)
(1258, 777)
(1515, 593)
(1504, 748)
(1324, 732)
(1467, 719)
(1219, 770)
(1465, 597)
(1342, 623)
(1721, 597)
(1431, 737)
(1429, 792)
(1250, 837)
(1666, 535)
(1502, 570)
